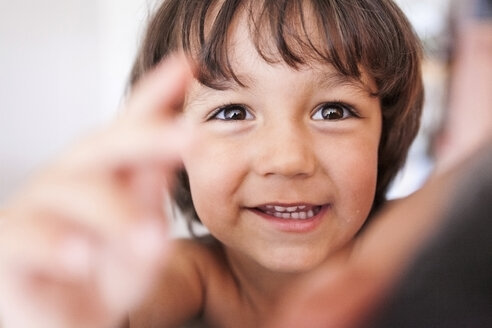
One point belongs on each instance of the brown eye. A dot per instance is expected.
(333, 112)
(232, 113)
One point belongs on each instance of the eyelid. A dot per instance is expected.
(346, 107)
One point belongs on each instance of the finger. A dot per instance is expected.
(129, 144)
(147, 188)
(50, 251)
(99, 208)
(115, 277)
(150, 143)
(128, 270)
(158, 93)
(52, 303)
(96, 211)
(35, 267)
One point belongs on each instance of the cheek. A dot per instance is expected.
(214, 172)
(352, 168)
(362, 168)
(357, 181)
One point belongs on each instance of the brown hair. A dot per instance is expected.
(373, 34)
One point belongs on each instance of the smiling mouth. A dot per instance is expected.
(296, 212)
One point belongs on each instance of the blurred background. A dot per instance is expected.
(64, 65)
(63, 69)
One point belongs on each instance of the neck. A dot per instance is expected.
(260, 287)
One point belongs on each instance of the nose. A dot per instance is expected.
(285, 150)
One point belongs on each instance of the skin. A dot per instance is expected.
(83, 241)
(94, 220)
(278, 153)
(94, 223)
(345, 294)
(348, 289)
(94, 216)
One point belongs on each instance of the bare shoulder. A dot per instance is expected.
(203, 256)
(179, 294)
(200, 249)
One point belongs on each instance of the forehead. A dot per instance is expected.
(235, 33)
(249, 60)
(261, 78)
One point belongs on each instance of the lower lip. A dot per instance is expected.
(294, 225)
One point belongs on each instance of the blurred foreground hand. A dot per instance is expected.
(80, 244)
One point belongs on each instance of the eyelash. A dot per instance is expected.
(347, 111)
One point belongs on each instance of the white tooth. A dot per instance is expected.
(295, 215)
(277, 214)
(302, 207)
(302, 215)
(286, 215)
(291, 209)
(270, 207)
(279, 208)
(310, 214)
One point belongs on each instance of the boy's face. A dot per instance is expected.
(284, 171)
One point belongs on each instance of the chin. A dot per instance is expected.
(290, 263)
(294, 269)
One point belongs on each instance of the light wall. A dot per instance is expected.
(63, 67)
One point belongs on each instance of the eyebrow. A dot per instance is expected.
(324, 79)
(330, 80)
(223, 85)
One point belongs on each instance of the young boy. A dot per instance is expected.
(302, 112)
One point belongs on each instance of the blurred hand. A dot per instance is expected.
(80, 245)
